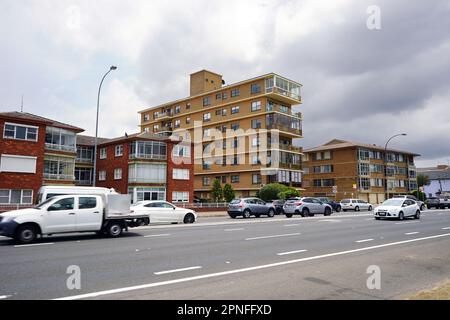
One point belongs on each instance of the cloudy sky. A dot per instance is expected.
(358, 83)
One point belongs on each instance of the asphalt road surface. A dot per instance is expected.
(221, 258)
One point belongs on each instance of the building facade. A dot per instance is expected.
(344, 169)
(34, 151)
(439, 178)
(243, 133)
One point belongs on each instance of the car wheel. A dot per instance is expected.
(232, 216)
(271, 213)
(417, 216)
(401, 216)
(114, 229)
(246, 214)
(357, 209)
(305, 212)
(428, 207)
(370, 208)
(422, 207)
(26, 234)
(327, 211)
(189, 218)
(338, 209)
(289, 215)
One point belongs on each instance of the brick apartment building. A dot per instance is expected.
(343, 169)
(36, 151)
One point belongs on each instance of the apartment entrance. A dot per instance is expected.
(147, 193)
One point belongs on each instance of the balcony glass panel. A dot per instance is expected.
(59, 168)
(60, 139)
(153, 150)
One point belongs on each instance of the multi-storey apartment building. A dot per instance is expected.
(147, 166)
(343, 169)
(243, 132)
(34, 151)
(84, 163)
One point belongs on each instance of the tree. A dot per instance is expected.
(270, 191)
(289, 193)
(423, 180)
(217, 191)
(419, 195)
(228, 192)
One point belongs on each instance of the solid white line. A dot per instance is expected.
(33, 245)
(157, 235)
(177, 270)
(4, 297)
(224, 273)
(446, 228)
(292, 225)
(290, 252)
(411, 233)
(404, 222)
(364, 240)
(275, 236)
(237, 229)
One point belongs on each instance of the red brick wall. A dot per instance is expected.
(179, 185)
(110, 164)
(25, 148)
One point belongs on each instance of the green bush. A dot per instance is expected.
(289, 193)
(270, 191)
(228, 193)
(217, 191)
(419, 195)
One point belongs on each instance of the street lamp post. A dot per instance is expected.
(386, 160)
(96, 123)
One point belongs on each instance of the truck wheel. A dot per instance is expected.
(114, 229)
(26, 234)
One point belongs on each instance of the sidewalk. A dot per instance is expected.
(212, 214)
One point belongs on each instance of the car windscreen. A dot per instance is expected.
(393, 202)
(43, 204)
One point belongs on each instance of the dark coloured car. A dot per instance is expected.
(432, 202)
(278, 206)
(334, 204)
(248, 207)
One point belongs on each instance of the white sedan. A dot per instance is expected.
(397, 208)
(164, 212)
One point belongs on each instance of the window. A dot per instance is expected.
(206, 101)
(256, 160)
(156, 128)
(206, 165)
(63, 204)
(376, 168)
(364, 154)
(235, 92)
(188, 120)
(376, 182)
(255, 142)
(85, 154)
(235, 161)
(118, 174)
(235, 143)
(149, 193)
(235, 110)
(83, 176)
(178, 196)
(180, 174)
(224, 95)
(284, 109)
(87, 203)
(188, 106)
(235, 126)
(103, 153)
(207, 117)
(206, 132)
(177, 109)
(218, 96)
(16, 196)
(147, 173)
(235, 179)
(20, 132)
(224, 112)
(206, 181)
(218, 112)
(181, 151)
(148, 150)
(60, 139)
(256, 178)
(255, 88)
(177, 123)
(59, 168)
(364, 184)
(18, 164)
(327, 155)
(256, 105)
(102, 175)
(146, 117)
(364, 169)
(256, 124)
(119, 151)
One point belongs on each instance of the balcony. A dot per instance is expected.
(163, 129)
(283, 89)
(286, 147)
(83, 182)
(55, 176)
(60, 147)
(274, 107)
(163, 115)
(84, 160)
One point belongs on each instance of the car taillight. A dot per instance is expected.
(241, 205)
(298, 203)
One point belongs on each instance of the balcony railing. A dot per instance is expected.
(161, 115)
(286, 128)
(54, 176)
(279, 108)
(84, 160)
(83, 182)
(60, 147)
(148, 156)
(286, 147)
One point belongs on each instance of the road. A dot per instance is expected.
(221, 258)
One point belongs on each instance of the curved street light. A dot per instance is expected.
(112, 68)
(386, 160)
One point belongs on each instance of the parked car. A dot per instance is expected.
(444, 202)
(355, 204)
(305, 207)
(248, 207)
(334, 204)
(164, 212)
(412, 197)
(432, 202)
(277, 205)
(397, 208)
(70, 214)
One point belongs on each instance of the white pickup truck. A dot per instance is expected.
(105, 214)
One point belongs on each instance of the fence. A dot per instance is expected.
(220, 205)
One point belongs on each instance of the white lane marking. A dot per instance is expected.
(290, 252)
(364, 240)
(177, 270)
(224, 273)
(236, 229)
(411, 222)
(157, 235)
(33, 245)
(292, 225)
(446, 228)
(411, 233)
(330, 220)
(4, 297)
(274, 236)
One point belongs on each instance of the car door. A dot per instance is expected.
(406, 207)
(89, 215)
(170, 214)
(252, 205)
(317, 206)
(60, 216)
(157, 212)
(412, 207)
(262, 207)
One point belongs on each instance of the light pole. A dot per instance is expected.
(386, 161)
(96, 123)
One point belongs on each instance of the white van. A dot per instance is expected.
(47, 192)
